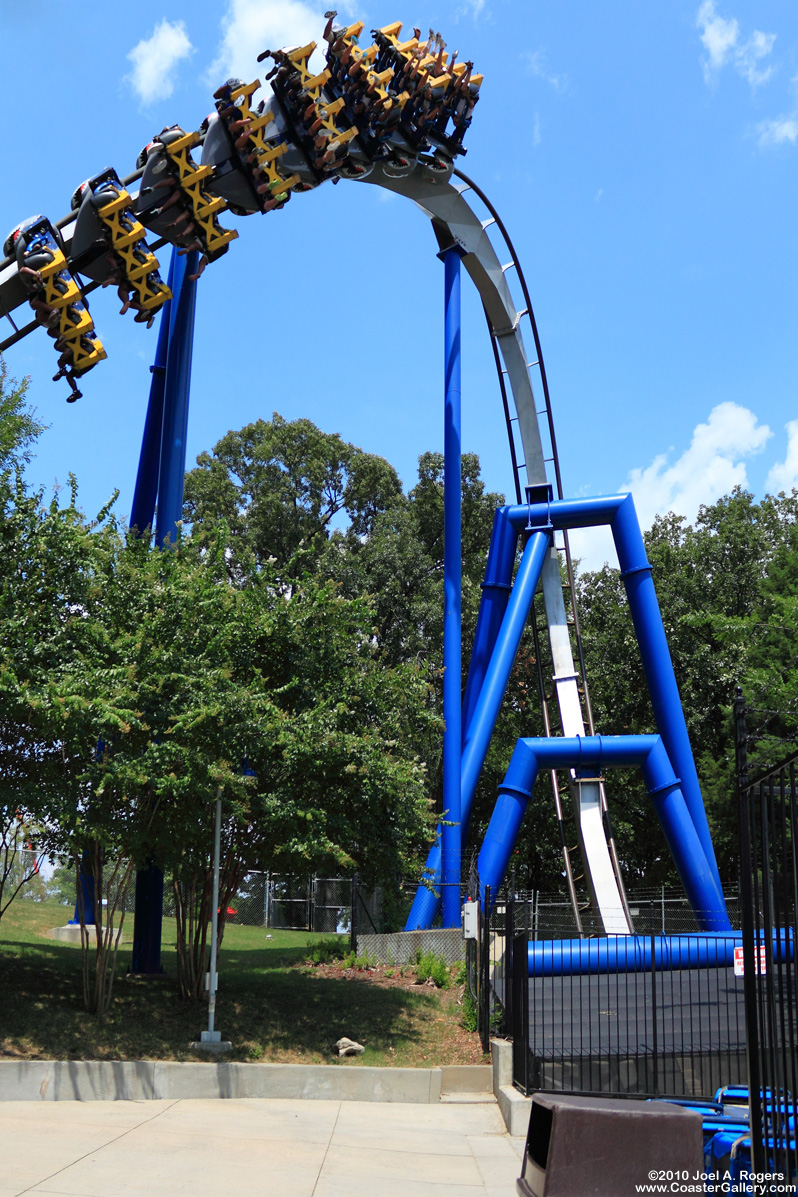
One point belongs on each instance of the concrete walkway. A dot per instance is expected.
(256, 1148)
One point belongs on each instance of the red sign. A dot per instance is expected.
(761, 962)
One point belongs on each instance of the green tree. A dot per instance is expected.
(281, 484)
(720, 584)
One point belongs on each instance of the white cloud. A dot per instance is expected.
(711, 467)
(251, 26)
(155, 58)
(778, 130)
(537, 65)
(474, 7)
(784, 475)
(749, 56)
(720, 37)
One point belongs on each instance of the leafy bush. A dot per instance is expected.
(460, 973)
(350, 960)
(468, 1018)
(327, 950)
(430, 967)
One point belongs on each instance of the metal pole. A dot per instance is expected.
(451, 835)
(212, 1035)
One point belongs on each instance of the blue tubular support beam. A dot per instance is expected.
(630, 954)
(486, 709)
(658, 667)
(497, 676)
(592, 753)
(619, 512)
(176, 394)
(142, 514)
(451, 839)
(495, 593)
(162, 466)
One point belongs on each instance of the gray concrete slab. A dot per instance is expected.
(254, 1146)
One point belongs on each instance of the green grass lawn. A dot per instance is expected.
(270, 1007)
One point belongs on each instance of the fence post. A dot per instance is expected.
(509, 963)
(524, 989)
(663, 910)
(654, 1037)
(485, 970)
(353, 919)
(747, 867)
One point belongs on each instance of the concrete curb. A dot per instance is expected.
(515, 1108)
(144, 1080)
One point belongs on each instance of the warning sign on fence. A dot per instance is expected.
(761, 959)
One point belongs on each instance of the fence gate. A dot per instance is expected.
(769, 892)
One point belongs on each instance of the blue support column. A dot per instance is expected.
(451, 839)
(176, 394)
(162, 468)
(495, 595)
(142, 513)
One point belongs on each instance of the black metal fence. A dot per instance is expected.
(769, 886)
(649, 1031)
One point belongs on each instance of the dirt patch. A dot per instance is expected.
(462, 1046)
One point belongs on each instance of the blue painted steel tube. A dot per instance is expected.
(493, 603)
(497, 675)
(451, 839)
(491, 692)
(176, 396)
(619, 512)
(142, 513)
(630, 953)
(658, 667)
(590, 754)
(170, 443)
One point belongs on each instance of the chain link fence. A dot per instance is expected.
(325, 905)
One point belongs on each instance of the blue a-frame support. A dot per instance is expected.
(159, 483)
(502, 615)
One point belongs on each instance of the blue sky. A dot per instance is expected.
(642, 156)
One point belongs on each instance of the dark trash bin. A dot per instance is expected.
(596, 1147)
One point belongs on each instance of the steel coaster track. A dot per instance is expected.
(510, 420)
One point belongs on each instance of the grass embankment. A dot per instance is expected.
(271, 1004)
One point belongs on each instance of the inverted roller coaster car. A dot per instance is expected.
(55, 297)
(245, 147)
(109, 246)
(173, 201)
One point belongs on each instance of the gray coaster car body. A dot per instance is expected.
(151, 198)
